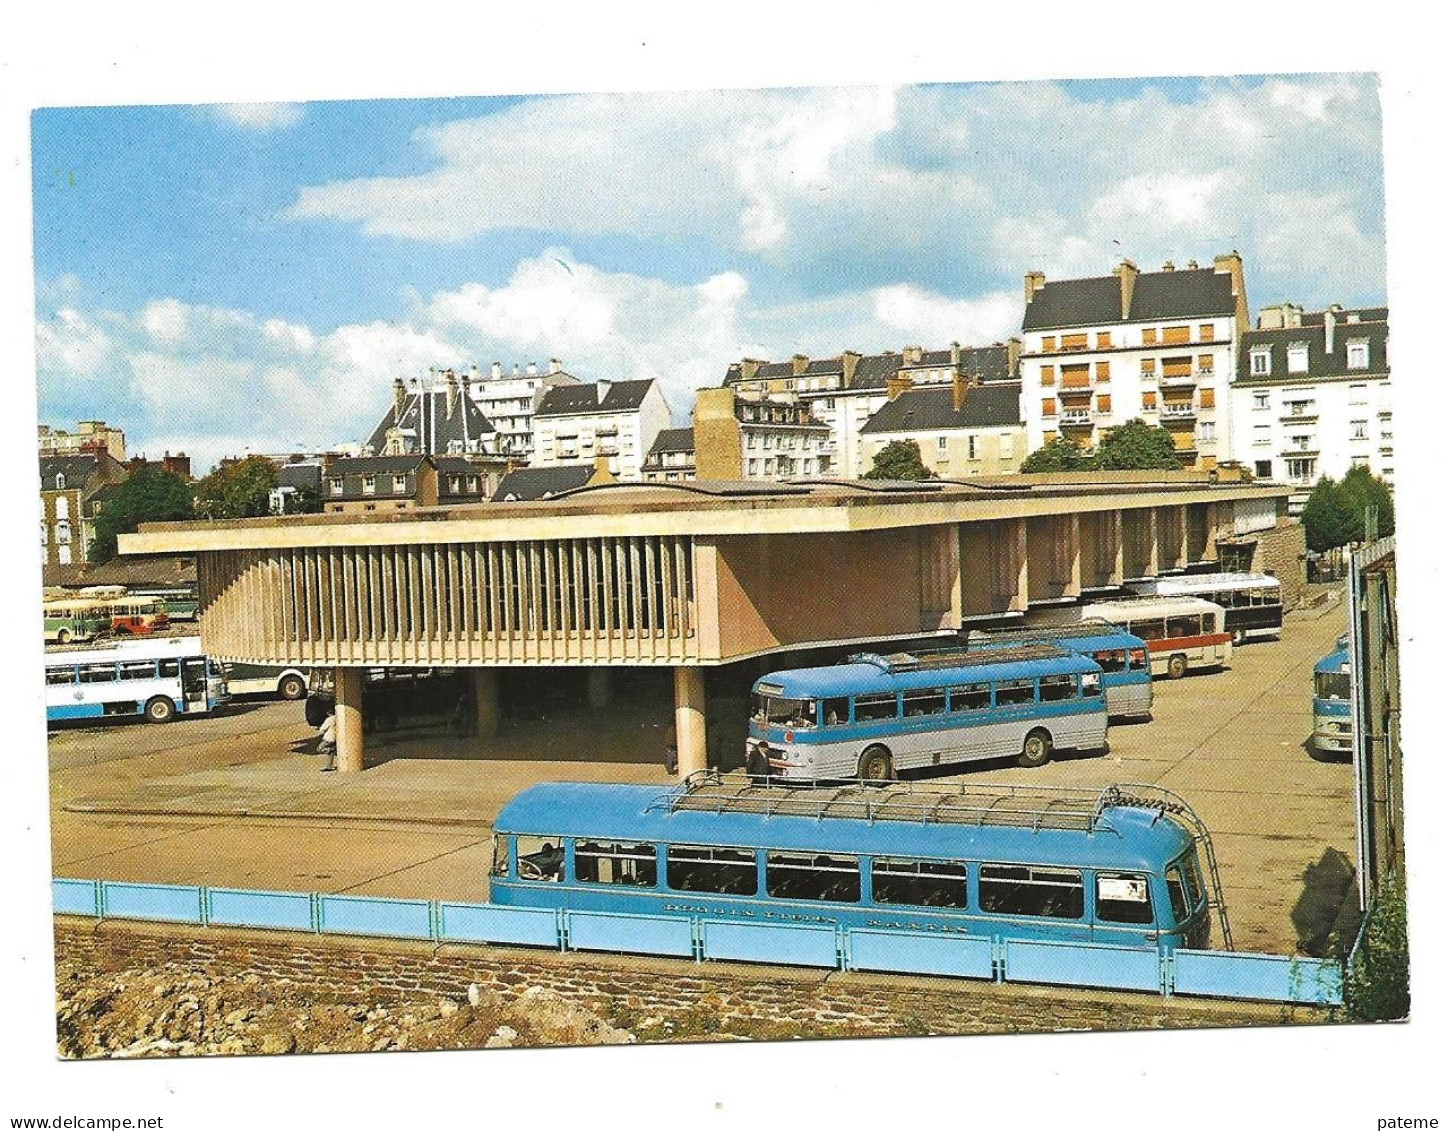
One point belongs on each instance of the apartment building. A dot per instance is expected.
(1159, 345)
(1313, 394)
(72, 488)
(672, 457)
(432, 416)
(616, 420)
(844, 392)
(963, 429)
(89, 436)
(510, 401)
(380, 483)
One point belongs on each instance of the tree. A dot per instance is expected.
(1359, 490)
(1137, 445)
(1057, 455)
(302, 501)
(240, 489)
(149, 495)
(899, 459)
(1326, 520)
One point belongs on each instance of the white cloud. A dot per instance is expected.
(934, 320)
(261, 117)
(1168, 200)
(68, 344)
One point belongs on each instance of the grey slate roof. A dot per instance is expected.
(529, 483)
(872, 371)
(574, 400)
(77, 470)
(1319, 362)
(1200, 292)
(673, 440)
(994, 405)
(301, 476)
(426, 415)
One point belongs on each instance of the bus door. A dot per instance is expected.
(1125, 913)
(193, 684)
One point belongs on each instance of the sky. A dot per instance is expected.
(251, 277)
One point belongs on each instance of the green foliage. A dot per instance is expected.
(899, 459)
(1334, 512)
(1057, 455)
(237, 490)
(1377, 980)
(149, 495)
(302, 501)
(1137, 446)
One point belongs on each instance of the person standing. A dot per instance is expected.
(327, 742)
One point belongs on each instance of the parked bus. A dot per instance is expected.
(75, 621)
(1332, 702)
(1182, 634)
(138, 616)
(157, 679)
(1125, 671)
(877, 715)
(1119, 865)
(266, 679)
(1253, 601)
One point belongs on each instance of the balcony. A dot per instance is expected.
(1300, 415)
(1178, 380)
(1178, 413)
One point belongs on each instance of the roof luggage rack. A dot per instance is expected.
(1089, 626)
(956, 657)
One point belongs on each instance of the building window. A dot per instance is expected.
(1301, 470)
(63, 555)
(1297, 357)
(1103, 372)
(1148, 336)
(940, 447)
(1264, 469)
(335, 486)
(1103, 339)
(1261, 400)
(1148, 400)
(62, 533)
(62, 507)
(369, 484)
(1208, 432)
(1048, 406)
(1176, 335)
(1262, 435)
(1048, 344)
(1008, 445)
(1148, 367)
(1261, 362)
(60, 481)
(1204, 363)
(1357, 394)
(1357, 354)
(970, 448)
(399, 484)
(1206, 332)
(1359, 429)
(44, 534)
(1048, 375)
(1360, 461)
(1103, 402)
(1209, 398)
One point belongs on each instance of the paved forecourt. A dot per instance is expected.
(233, 801)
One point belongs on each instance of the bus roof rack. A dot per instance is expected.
(1087, 626)
(975, 803)
(956, 657)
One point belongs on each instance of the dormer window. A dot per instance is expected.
(335, 485)
(60, 481)
(1357, 353)
(369, 484)
(1297, 357)
(1261, 362)
(399, 484)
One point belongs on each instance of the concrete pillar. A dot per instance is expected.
(1153, 551)
(1118, 539)
(348, 685)
(1184, 528)
(487, 709)
(1073, 559)
(1020, 558)
(689, 719)
(600, 687)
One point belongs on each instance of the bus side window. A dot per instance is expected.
(1090, 684)
(144, 669)
(1176, 892)
(1147, 629)
(170, 669)
(873, 708)
(500, 855)
(919, 883)
(60, 675)
(837, 712)
(1054, 688)
(928, 701)
(1015, 889)
(970, 697)
(1012, 692)
(1184, 626)
(1122, 897)
(1112, 661)
(795, 875)
(720, 871)
(98, 673)
(540, 858)
(609, 862)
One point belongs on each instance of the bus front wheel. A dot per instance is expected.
(293, 687)
(1239, 637)
(160, 710)
(1036, 750)
(1176, 667)
(63, 636)
(876, 764)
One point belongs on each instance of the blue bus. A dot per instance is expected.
(876, 715)
(1118, 865)
(1332, 702)
(1125, 668)
(155, 679)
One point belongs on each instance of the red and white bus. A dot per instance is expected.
(1182, 634)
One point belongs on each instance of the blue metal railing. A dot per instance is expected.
(1205, 973)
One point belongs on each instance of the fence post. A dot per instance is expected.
(315, 908)
(205, 895)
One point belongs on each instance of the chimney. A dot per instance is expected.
(911, 355)
(1191, 264)
(516, 371)
(1035, 280)
(554, 365)
(959, 387)
(1329, 324)
(955, 353)
(897, 384)
(848, 360)
(748, 368)
(452, 393)
(1168, 266)
(399, 399)
(1013, 358)
(1127, 273)
(1231, 264)
(603, 385)
(497, 370)
(798, 364)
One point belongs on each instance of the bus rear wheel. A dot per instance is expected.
(292, 687)
(1176, 667)
(160, 710)
(1239, 637)
(63, 636)
(1036, 750)
(876, 765)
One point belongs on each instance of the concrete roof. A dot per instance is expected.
(711, 508)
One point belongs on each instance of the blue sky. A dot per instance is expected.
(225, 278)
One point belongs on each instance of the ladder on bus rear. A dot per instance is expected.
(1159, 797)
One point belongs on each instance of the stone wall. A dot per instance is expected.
(655, 999)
